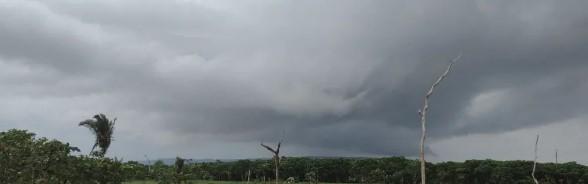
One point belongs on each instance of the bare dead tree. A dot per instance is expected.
(276, 158)
(556, 161)
(423, 115)
(149, 164)
(248, 175)
(535, 161)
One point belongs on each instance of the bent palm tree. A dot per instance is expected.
(102, 128)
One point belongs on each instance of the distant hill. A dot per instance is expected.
(171, 161)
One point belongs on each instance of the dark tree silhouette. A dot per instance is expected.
(103, 129)
(276, 158)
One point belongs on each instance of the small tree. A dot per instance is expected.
(276, 158)
(163, 174)
(27, 159)
(179, 176)
(311, 177)
(103, 129)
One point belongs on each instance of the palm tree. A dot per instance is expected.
(102, 128)
(179, 177)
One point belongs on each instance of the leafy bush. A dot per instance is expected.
(27, 159)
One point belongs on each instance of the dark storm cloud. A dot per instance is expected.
(336, 75)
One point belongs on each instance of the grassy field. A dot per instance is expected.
(194, 182)
(202, 182)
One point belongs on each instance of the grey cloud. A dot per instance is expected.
(345, 76)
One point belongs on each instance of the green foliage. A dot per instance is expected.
(180, 176)
(27, 159)
(102, 128)
(394, 170)
(133, 170)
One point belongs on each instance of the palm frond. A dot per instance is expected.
(103, 129)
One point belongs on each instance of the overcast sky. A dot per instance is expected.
(212, 79)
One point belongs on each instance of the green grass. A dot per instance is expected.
(193, 181)
(203, 182)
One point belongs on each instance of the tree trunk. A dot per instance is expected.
(556, 162)
(248, 175)
(277, 170)
(423, 114)
(276, 158)
(535, 161)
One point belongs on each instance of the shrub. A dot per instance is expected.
(27, 159)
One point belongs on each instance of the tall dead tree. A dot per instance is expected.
(535, 161)
(276, 158)
(423, 115)
(248, 175)
(556, 161)
(148, 165)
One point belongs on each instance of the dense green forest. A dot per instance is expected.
(27, 159)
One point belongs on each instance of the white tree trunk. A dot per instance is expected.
(276, 157)
(423, 114)
(248, 175)
(535, 161)
(277, 170)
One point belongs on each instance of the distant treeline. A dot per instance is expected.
(27, 159)
(371, 170)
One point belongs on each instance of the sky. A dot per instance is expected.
(213, 79)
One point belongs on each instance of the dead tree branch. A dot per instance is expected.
(276, 158)
(556, 161)
(535, 161)
(423, 115)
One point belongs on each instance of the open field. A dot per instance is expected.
(193, 181)
(203, 182)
